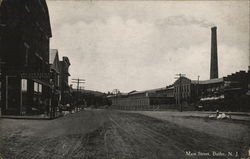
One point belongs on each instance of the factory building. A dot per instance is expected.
(160, 98)
(229, 93)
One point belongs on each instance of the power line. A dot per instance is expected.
(78, 81)
(116, 91)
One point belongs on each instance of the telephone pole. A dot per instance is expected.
(116, 92)
(179, 76)
(198, 86)
(78, 81)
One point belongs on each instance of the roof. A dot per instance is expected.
(38, 10)
(182, 79)
(211, 81)
(151, 90)
(140, 92)
(54, 60)
(52, 55)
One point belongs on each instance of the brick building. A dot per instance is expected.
(25, 36)
(226, 93)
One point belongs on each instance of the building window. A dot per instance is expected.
(40, 88)
(36, 87)
(24, 85)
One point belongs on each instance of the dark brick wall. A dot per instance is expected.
(24, 46)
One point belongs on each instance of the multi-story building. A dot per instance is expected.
(25, 36)
(226, 93)
(64, 81)
(55, 81)
(183, 90)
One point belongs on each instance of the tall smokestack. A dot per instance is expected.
(214, 58)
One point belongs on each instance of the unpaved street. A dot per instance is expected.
(110, 134)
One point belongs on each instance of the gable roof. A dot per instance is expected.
(215, 80)
(184, 80)
(52, 55)
(54, 60)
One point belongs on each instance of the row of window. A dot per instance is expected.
(183, 95)
(37, 86)
(131, 103)
(185, 88)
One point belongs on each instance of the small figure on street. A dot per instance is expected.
(217, 113)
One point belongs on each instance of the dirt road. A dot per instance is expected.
(108, 134)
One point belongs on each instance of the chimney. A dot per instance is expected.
(214, 58)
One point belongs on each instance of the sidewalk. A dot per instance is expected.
(40, 116)
(204, 114)
(36, 117)
(231, 113)
(32, 117)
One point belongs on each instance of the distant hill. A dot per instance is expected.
(96, 93)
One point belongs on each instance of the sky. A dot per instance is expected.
(140, 45)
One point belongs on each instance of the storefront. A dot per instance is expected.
(24, 96)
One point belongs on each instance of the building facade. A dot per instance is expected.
(55, 82)
(161, 98)
(25, 37)
(229, 93)
(66, 91)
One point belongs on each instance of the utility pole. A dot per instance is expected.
(78, 81)
(179, 76)
(198, 86)
(116, 91)
(81, 88)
